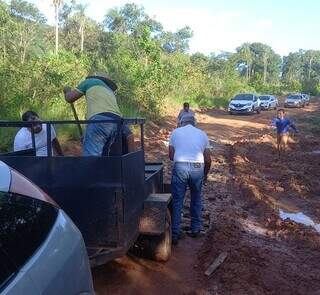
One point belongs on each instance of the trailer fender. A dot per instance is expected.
(153, 218)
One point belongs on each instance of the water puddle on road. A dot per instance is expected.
(299, 218)
(317, 152)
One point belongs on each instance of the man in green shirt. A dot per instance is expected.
(101, 105)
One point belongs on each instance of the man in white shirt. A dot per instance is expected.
(23, 139)
(189, 149)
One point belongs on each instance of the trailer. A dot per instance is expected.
(118, 202)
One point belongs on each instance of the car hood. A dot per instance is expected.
(5, 177)
(292, 100)
(241, 101)
(265, 101)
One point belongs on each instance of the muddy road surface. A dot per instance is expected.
(262, 211)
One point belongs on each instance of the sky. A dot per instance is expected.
(223, 25)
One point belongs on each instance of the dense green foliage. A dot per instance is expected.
(151, 66)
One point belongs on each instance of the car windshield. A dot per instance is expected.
(294, 97)
(264, 97)
(243, 97)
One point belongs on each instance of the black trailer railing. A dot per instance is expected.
(30, 124)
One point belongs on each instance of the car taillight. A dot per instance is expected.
(23, 186)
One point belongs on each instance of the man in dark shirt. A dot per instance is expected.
(185, 112)
(283, 126)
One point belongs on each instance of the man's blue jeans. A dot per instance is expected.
(184, 175)
(99, 136)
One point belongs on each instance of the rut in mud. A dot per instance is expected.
(246, 190)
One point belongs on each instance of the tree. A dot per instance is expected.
(257, 61)
(82, 19)
(57, 4)
(28, 22)
(178, 41)
(245, 59)
(131, 20)
(292, 67)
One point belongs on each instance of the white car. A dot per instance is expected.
(268, 102)
(41, 250)
(306, 98)
(294, 101)
(245, 103)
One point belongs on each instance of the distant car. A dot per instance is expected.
(41, 250)
(306, 98)
(268, 102)
(244, 104)
(294, 101)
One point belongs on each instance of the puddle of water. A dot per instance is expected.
(299, 218)
(317, 152)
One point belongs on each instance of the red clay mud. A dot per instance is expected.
(247, 187)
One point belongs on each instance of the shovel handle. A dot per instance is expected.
(77, 119)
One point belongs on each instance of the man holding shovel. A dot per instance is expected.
(101, 105)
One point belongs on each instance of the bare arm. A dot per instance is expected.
(131, 144)
(57, 147)
(207, 163)
(71, 95)
(171, 152)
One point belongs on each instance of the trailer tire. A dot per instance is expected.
(156, 247)
(160, 246)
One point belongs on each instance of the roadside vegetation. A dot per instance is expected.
(151, 65)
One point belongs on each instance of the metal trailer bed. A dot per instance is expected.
(112, 199)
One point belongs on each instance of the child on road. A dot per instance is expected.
(283, 126)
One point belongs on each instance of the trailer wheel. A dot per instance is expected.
(160, 246)
(157, 248)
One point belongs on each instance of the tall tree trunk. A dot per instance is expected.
(57, 28)
(265, 68)
(310, 66)
(248, 70)
(82, 36)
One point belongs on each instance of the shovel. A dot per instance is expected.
(77, 120)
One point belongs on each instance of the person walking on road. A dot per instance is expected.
(189, 150)
(101, 105)
(185, 112)
(283, 126)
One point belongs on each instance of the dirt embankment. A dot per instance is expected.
(247, 188)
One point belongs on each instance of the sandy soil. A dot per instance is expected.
(247, 187)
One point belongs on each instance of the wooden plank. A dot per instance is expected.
(216, 263)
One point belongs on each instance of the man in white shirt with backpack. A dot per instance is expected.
(189, 149)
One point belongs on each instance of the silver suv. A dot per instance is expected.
(306, 98)
(245, 104)
(294, 101)
(268, 102)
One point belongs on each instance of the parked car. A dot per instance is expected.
(268, 102)
(41, 250)
(306, 98)
(294, 101)
(244, 104)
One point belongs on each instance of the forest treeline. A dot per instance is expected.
(152, 66)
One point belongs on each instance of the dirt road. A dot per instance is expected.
(248, 192)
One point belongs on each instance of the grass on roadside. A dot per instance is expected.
(200, 102)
